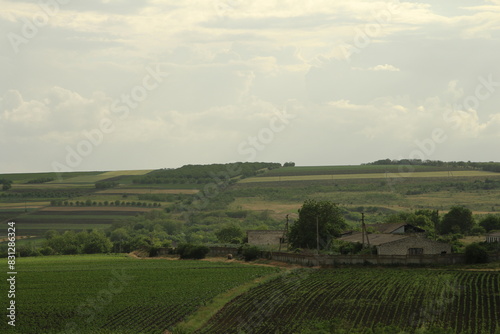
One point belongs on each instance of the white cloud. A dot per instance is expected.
(233, 64)
(385, 67)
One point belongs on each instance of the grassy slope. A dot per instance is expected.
(367, 188)
(387, 176)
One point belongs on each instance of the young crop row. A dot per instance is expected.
(104, 294)
(365, 298)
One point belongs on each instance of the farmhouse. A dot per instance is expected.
(398, 239)
(266, 237)
(493, 237)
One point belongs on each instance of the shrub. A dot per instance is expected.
(190, 251)
(478, 230)
(27, 250)
(47, 251)
(250, 253)
(475, 253)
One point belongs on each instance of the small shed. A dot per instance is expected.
(266, 237)
(493, 237)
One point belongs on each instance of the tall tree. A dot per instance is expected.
(230, 234)
(324, 217)
(458, 220)
(490, 223)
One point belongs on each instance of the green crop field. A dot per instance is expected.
(356, 299)
(26, 177)
(92, 178)
(116, 294)
(381, 175)
(119, 294)
(66, 218)
(354, 169)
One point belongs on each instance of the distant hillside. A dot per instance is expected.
(486, 166)
(203, 174)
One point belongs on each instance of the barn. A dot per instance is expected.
(398, 239)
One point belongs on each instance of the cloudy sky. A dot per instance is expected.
(127, 84)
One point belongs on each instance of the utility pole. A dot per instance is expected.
(363, 230)
(285, 235)
(317, 235)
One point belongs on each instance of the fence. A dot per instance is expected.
(335, 260)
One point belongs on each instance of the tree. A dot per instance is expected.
(96, 242)
(426, 219)
(6, 184)
(250, 253)
(230, 234)
(190, 251)
(324, 216)
(490, 223)
(458, 220)
(476, 253)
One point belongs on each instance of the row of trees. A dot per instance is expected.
(106, 184)
(40, 180)
(70, 242)
(458, 220)
(89, 202)
(42, 194)
(486, 166)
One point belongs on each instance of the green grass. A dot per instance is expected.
(117, 294)
(205, 313)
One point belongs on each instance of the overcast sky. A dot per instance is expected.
(127, 84)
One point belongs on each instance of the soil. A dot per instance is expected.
(264, 263)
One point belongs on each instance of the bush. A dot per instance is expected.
(27, 250)
(47, 251)
(475, 253)
(250, 253)
(105, 184)
(190, 251)
(478, 230)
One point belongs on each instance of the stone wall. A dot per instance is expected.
(336, 260)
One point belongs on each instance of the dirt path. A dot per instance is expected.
(263, 263)
(19, 237)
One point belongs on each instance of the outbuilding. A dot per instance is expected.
(266, 237)
(493, 237)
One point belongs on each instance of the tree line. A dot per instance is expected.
(89, 202)
(486, 166)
